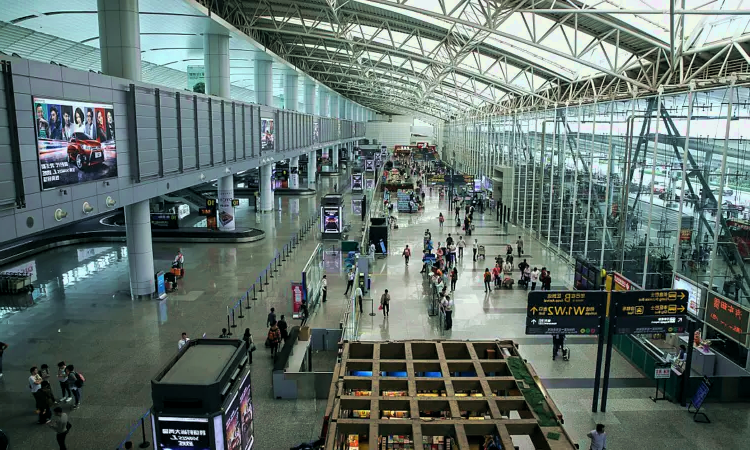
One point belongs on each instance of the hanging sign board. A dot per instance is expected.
(566, 312)
(652, 311)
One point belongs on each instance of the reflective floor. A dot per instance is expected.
(86, 318)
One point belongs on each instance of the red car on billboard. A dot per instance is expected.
(84, 152)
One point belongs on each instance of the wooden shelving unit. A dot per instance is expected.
(446, 395)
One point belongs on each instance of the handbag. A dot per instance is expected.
(380, 308)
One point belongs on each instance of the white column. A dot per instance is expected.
(225, 194)
(120, 38)
(140, 253)
(335, 157)
(266, 193)
(263, 80)
(312, 166)
(324, 103)
(291, 91)
(216, 64)
(309, 98)
(334, 105)
(294, 172)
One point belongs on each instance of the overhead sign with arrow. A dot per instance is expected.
(565, 312)
(646, 312)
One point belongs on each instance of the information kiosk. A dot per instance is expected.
(202, 398)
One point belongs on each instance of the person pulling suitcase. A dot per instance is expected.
(558, 343)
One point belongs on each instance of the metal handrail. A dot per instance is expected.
(365, 232)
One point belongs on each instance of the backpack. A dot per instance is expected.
(487, 276)
(79, 380)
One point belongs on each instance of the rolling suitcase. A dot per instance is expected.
(566, 354)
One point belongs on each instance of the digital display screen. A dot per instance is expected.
(369, 184)
(694, 293)
(331, 220)
(370, 165)
(728, 318)
(356, 181)
(75, 142)
(183, 432)
(246, 413)
(266, 134)
(232, 427)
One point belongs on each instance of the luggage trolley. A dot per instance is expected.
(480, 252)
(15, 283)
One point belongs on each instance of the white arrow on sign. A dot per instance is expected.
(533, 321)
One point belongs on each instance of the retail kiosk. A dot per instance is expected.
(202, 398)
(439, 395)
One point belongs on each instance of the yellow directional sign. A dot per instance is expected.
(567, 312)
(656, 311)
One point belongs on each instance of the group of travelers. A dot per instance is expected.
(47, 403)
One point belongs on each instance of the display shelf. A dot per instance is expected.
(439, 395)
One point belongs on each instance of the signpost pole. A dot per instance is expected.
(598, 370)
(685, 382)
(608, 356)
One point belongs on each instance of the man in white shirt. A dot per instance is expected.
(447, 304)
(349, 281)
(461, 245)
(598, 438)
(358, 297)
(182, 342)
(324, 284)
(475, 247)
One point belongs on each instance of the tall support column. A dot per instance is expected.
(263, 80)
(335, 157)
(266, 193)
(120, 49)
(324, 103)
(294, 172)
(312, 166)
(309, 98)
(216, 64)
(140, 252)
(225, 194)
(291, 91)
(334, 106)
(120, 38)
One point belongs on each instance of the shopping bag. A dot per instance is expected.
(380, 307)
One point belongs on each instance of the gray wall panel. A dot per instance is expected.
(182, 137)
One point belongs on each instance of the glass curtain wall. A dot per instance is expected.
(612, 182)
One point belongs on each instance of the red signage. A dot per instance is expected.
(728, 318)
(622, 282)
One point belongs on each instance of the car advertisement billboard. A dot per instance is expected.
(266, 134)
(331, 220)
(357, 182)
(75, 142)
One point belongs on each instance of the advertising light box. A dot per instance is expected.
(331, 220)
(266, 134)
(183, 432)
(695, 294)
(246, 413)
(232, 427)
(75, 142)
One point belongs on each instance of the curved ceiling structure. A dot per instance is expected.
(450, 57)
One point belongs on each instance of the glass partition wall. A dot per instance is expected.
(611, 181)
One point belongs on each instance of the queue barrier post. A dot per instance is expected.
(284, 253)
(255, 297)
(234, 325)
(266, 283)
(276, 263)
(144, 443)
(229, 325)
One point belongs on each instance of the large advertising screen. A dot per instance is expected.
(266, 134)
(246, 413)
(183, 432)
(232, 427)
(330, 220)
(369, 165)
(356, 181)
(75, 142)
(695, 294)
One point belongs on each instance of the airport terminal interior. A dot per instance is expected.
(374, 224)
